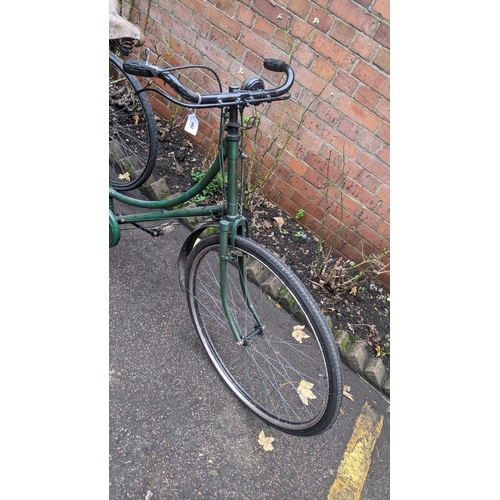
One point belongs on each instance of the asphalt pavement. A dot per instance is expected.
(177, 432)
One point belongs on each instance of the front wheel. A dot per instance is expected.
(286, 368)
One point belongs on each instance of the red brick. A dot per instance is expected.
(183, 14)
(384, 193)
(304, 55)
(325, 19)
(342, 32)
(366, 97)
(384, 210)
(383, 109)
(369, 142)
(245, 15)
(228, 6)
(327, 113)
(283, 187)
(298, 166)
(357, 113)
(369, 218)
(218, 37)
(382, 35)
(374, 166)
(360, 194)
(354, 15)
(323, 69)
(385, 154)
(222, 21)
(372, 78)
(167, 5)
(197, 6)
(332, 51)
(384, 229)
(269, 11)
(235, 49)
(300, 199)
(382, 60)
(364, 46)
(156, 14)
(348, 128)
(369, 182)
(263, 28)
(345, 83)
(384, 132)
(299, 7)
(200, 26)
(382, 8)
(341, 144)
(376, 242)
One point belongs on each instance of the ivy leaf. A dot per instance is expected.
(265, 441)
(298, 333)
(305, 393)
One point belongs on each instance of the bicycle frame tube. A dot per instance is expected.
(165, 206)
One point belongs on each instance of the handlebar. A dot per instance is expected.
(235, 97)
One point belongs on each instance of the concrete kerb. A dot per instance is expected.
(353, 354)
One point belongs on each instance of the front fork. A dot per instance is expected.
(236, 224)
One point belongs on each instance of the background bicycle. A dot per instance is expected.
(133, 138)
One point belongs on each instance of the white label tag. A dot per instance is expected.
(191, 124)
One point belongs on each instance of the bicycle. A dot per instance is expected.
(259, 325)
(133, 136)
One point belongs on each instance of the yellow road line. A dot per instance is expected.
(356, 462)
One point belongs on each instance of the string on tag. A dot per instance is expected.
(191, 126)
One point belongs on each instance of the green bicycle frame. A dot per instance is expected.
(233, 223)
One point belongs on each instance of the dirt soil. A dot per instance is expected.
(361, 309)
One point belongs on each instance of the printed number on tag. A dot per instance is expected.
(191, 124)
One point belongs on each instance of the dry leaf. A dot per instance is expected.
(377, 351)
(125, 176)
(305, 393)
(298, 333)
(346, 393)
(279, 221)
(353, 291)
(265, 441)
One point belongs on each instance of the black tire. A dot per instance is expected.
(133, 136)
(266, 373)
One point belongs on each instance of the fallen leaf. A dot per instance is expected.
(125, 176)
(377, 351)
(279, 221)
(265, 441)
(305, 393)
(346, 393)
(298, 333)
(353, 291)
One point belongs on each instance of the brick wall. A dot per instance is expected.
(338, 158)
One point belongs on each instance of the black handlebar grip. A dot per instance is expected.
(275, 65)
(138, 68)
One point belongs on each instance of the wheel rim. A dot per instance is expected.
(266, 373)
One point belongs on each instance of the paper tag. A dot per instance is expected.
(191, 124)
